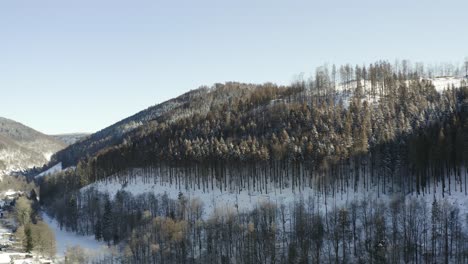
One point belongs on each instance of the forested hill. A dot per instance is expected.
(22, 147)
(248, 172)
(379, 113)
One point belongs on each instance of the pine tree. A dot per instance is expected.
(28, 243)
(98, 230)
(317, 234)
(107, 222)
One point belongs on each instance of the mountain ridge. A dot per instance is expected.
(114, 133)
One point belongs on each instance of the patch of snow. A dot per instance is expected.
(24, 261)
(56, 168)
(442, 83)
(345, 91)
(217, 200)
(5, 258)
(222, 201)
(47, 155)
(16, 160)
(10, 192)
(65, 239)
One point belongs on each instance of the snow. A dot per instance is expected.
(23, 261)
(10, 192)
(65, 239)
(441, 83)
(5, 258)
(16, 160)
(213, 200)
(54, 169)
(245, 200)
(222, 201)
(4, 240)
(345, 91)
(47, 155)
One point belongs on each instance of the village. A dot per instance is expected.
(11, 249)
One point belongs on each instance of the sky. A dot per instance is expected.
(79, 66)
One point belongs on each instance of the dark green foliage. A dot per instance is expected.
(28, 244)
(107, 222)
(98, 230)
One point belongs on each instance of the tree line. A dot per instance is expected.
(160, 230)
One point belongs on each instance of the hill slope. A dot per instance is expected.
(199, 102)
(377, 143)
(22, 147)
(113, 135)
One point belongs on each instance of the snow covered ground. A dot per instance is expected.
(442, 83)
(17, 160)
(65, 239)
(54, 169)
(5, 257)
(212, 200)
(345, 91)
(10, 251)
(245, 200)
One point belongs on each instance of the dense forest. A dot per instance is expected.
(370, 123)
(382, 126)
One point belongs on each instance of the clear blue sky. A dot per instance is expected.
(79, 66)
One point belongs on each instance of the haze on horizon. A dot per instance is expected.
(81, 66)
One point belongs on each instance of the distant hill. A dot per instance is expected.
(22, 147)
(70, 138)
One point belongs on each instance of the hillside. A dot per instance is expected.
(22, 147)
(199, 102)
(317, 170)
(114, 134)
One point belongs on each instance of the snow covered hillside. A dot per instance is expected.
(54, 169)
(65, 240)
(345, 91)
(276, 159)
(139, 182)
(22, 147)
(444, 82)
(219, 200)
